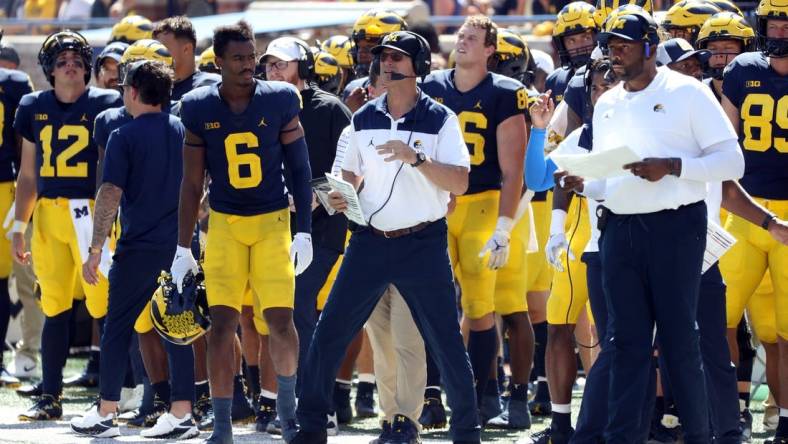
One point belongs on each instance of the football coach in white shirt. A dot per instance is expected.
(653, 222)
(409, 152)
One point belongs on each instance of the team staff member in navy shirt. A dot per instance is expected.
(151, 143)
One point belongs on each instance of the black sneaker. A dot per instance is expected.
(385, 433)
(265, 416)
(540, 408)
(303, 437)
(201, 407)
(46, 408)
(550, 436)
(85, 380)
(148, 419)
(433, 415)
(365, 400)
(31, 390)
(242, 412)
(342, 403)
(403, 431)
(206, 424)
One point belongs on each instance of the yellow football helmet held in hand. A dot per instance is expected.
(180, 318)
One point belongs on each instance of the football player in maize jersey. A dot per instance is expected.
(370, 27)
(57, 177)
(511, 60)
(240, 132)
(13, 85)
(130, 29)
(685, 18)
(754, 99)
(178, 35)
(490, 111)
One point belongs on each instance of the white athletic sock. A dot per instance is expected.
(561, 408)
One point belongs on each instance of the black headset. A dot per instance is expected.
(649, 27)
(306, 64)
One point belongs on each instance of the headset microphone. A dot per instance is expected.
(399, 76)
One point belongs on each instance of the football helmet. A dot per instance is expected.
(207, 61)
(373, 25)
(771, 9)
(131, 28)
(726, 5)
(58, 42)
(180, 318)
(689, 16)
(725, 26)
(605, 7)
(339, 46)
(326, 72)
(145, 49)
(574, 18)
(512, 56)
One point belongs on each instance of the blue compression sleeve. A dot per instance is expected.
(297, 160)
(538, 170)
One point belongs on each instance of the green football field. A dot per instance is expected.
(77, 400)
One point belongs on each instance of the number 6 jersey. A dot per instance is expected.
(761, 95)
(480, 111)
(243, 154)
(66, 155)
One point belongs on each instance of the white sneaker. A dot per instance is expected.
(170, 427)
(771, 416)
(332, 425)
(130, 398)
(23, 366)
(8, 380)
(93, 424)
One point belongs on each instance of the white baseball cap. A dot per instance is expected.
(286, 48)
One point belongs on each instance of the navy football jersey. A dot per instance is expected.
(760, 95)
(557, 82)
(144, 159)
(108, 121)
(480, 111)
(13, 85)
(193, 82)
(361, 82)
(66, 154)
(576, 99)
(242, 151)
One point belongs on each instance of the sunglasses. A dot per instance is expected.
(280, 65)
(393, 56)
(61, 63)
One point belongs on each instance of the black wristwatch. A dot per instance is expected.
(420, 158)
(767, 220)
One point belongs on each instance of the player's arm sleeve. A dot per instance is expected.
(342, 143)
(451, 149)
(116, 161)
(538, 170)
(722, 158)
(297, 161)
(352, 159)
(23, 120)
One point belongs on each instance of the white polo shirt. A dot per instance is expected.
(429, 127)
(674, 116)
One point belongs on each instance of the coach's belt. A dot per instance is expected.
(401, 232)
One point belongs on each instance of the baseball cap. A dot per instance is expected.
(8, 52)
(402, 41)
(628, 27)
(678, 49)
(286, 48)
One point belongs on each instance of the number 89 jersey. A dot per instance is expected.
(760, 95)
(243, 154)
(66, 155)
(480, 111)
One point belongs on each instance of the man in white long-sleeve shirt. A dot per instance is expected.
(653, 222)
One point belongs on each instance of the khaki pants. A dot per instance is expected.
(400, 362)
(32, 321)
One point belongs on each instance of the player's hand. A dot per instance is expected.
(90, 268)
(21, 255)
(301, 252)
(398, 150)
(651, 168)
(567, 182)
(555, 245)
(356, 99)
(337, 201)
(778, 228)
(498, 247)
(452, 204)
(182, 264)
(542, 111)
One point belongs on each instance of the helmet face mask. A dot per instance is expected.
(577, 19)
(770, 11)
(719, 34)
(62, 41)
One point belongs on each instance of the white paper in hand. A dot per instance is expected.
(597, 164)
(718, 242)
(347, 190)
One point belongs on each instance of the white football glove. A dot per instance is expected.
(301, 252)
(498, 244)
(555, 246)
(182, 264)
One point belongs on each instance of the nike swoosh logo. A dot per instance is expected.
(27, 369)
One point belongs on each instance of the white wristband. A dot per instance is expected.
(18, 226)
(557, 222)
(505, 224)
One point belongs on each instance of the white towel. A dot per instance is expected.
(9, 220)
(522, 207)
(83, 227)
